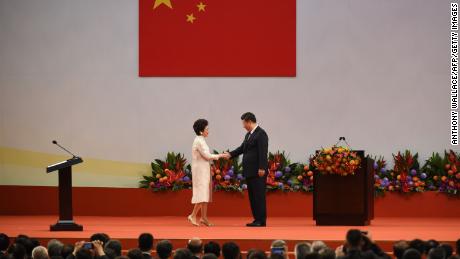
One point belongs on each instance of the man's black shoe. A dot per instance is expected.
(256, 224)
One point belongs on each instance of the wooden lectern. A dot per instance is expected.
(345, 200)
(65, 222)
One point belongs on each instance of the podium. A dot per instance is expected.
(345, 200)
(65, 222)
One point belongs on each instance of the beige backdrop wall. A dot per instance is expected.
(374, 71)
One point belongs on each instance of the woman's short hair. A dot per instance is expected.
(199, 126)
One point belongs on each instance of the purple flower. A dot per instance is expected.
(227, 177)
(289, 182)
(244, 186)
(287, 169)
(411, 183)
(186, 179)
(280, 185)
(385, 179)
(187, 171)
(278, 174)
(423, 176)
(239, 176)
(230, 172)
(376, 165)
(413, 172)
(383, 170)
(376, 177)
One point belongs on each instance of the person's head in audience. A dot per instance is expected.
(368, 255)
(83, 253)
(114, 245)
(279, 247)
(419, 245)
(399, 248)
(436, 253)
(457, 245)
(448, 250)
(103, 237)
(4, 242)
(212, 247)
(110, 253)
(67, 249)
(230, 250)
(26, 242)
(276, 256)
(135, 253)
(183, 253)
(326, 253)
(256, 254)
(312, 255)
(40, 252)
(54, 247)
(412, 253)
(164, 249)
(145, 242)
(209, 256)
(431, 244)
(317, 246)
(195, 245)
(354, 239)
(301, 250)
(17, 251)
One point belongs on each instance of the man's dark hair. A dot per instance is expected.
(110, 253)
(419, 245)
(83, 253)
(67, 250)
(412, 253)
(327, 253)
(399, 248)
(26, 242)
(276, 256)
(448, 249)
(135, 253)
(431, 244)
(17, 251)
(4, 241)
(145, 242)
(164, 249)
(256, 254)
(209, 256)
(194, 247)
(183, 253)
(457, 244)
(212, 247)
(437, 253)
(249, 116)
(115, 245)
(354, 238)
(103, 237)
(230, 250)
(199, 126)
(313, 255)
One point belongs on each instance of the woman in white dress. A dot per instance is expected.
(201, 173)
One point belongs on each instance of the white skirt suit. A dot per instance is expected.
(201, 171)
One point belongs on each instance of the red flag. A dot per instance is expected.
(217, 38)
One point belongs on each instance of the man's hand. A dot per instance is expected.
(78, 246)
(227, 155)
(261, 172)
(98, 247)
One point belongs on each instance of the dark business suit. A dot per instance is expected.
(254, 149)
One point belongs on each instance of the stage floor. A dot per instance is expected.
(384, 231)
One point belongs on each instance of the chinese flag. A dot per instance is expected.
(217, 38)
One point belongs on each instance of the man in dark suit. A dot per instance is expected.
(255, 167)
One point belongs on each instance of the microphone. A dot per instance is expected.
(63, 148)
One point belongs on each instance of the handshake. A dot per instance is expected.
(225, 155)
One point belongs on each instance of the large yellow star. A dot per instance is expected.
(201, 6)
(160, 2)
(190, 18)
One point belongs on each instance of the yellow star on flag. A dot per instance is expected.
(190, 18)
(201, 7)
(160, 2)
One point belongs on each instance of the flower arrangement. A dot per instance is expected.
(170, 174)
(280, 171)
(444, 172)
(406, 170)
(227, 175)
(302, 178)
(337, 160)
(383, 178)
